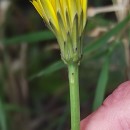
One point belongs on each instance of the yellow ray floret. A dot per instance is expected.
(38, 8)
(84, 6)
(48, 10)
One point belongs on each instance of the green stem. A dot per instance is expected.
(74, 96)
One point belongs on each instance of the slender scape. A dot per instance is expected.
(74, 96)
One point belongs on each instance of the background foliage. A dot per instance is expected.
(34, 92)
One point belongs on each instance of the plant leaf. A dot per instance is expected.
(30, 38)
(103, 39)
(52, 68)
(101, 86)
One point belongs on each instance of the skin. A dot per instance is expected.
(114, 114)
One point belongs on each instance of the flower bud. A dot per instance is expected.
(67, 20)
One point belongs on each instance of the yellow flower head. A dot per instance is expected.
(67, 19)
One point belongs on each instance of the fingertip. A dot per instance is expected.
(119, 95)
(114, 107)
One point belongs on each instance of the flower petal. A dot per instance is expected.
(84, 6)
(37, 7)
(50, 12)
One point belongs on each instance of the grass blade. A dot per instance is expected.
(30, 38)
(103, 40)
(52, 68)
(101, 86)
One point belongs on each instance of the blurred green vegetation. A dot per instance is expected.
(34, 91)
